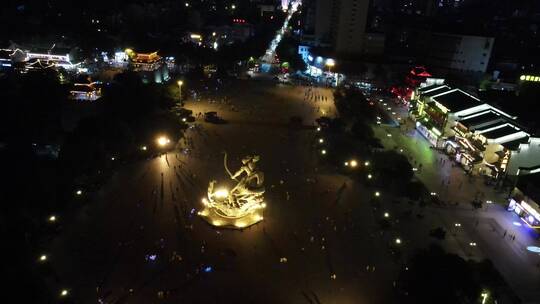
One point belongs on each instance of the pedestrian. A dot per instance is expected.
(504, 234)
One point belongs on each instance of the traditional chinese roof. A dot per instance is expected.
(146, 57)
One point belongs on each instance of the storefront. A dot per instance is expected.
(528, 213)
(524, 197)
(430, 135)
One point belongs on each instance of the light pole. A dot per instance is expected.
(330, 63)
(180, 83)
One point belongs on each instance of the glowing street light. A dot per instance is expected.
(484, 295)
(43, 258)
(163, 141)
(330, 63)
(398, 241)
(353, 163)
(318, 129)
(64, 293)
(369, 176)
(366, 163)
(180, 83)
(144, 148)
(321, 140)
(78, 192)
(52, 218)
(233, 6)
(386, 214)
(323, 152)
(377, 194)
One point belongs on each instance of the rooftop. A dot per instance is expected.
(501, 132)
(5, 54)
(456, 100)
(431, 87)
(146, 57)
(435, 91)
(485, 120)
(530, 186)
(83, 87)
(514, 144)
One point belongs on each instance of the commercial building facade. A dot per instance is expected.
(150, 66)
(341, 24)
(524, 199)
(483, 139)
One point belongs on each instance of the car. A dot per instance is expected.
(212, 117)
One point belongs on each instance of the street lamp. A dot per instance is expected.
(330, 63)
(162, 141)
(52, 218)
(180, 83)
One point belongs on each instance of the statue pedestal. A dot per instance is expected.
(240, 207)
(215, 218)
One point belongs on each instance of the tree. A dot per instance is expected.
(287, 51)
(434, 276)
(392, 168)
(351, 103)
(363, 132)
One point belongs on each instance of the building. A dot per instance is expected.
(85, 91)
(320, 67)
(483, 139)
(5, 60)
(342, 24)
(150, 66)
(524, 199)
(459, 52)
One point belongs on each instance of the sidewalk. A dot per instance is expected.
(491, 227)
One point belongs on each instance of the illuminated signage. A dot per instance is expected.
(436, 131)
(529, 78)
(530, 210)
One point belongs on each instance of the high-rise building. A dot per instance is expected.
(342, 24)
